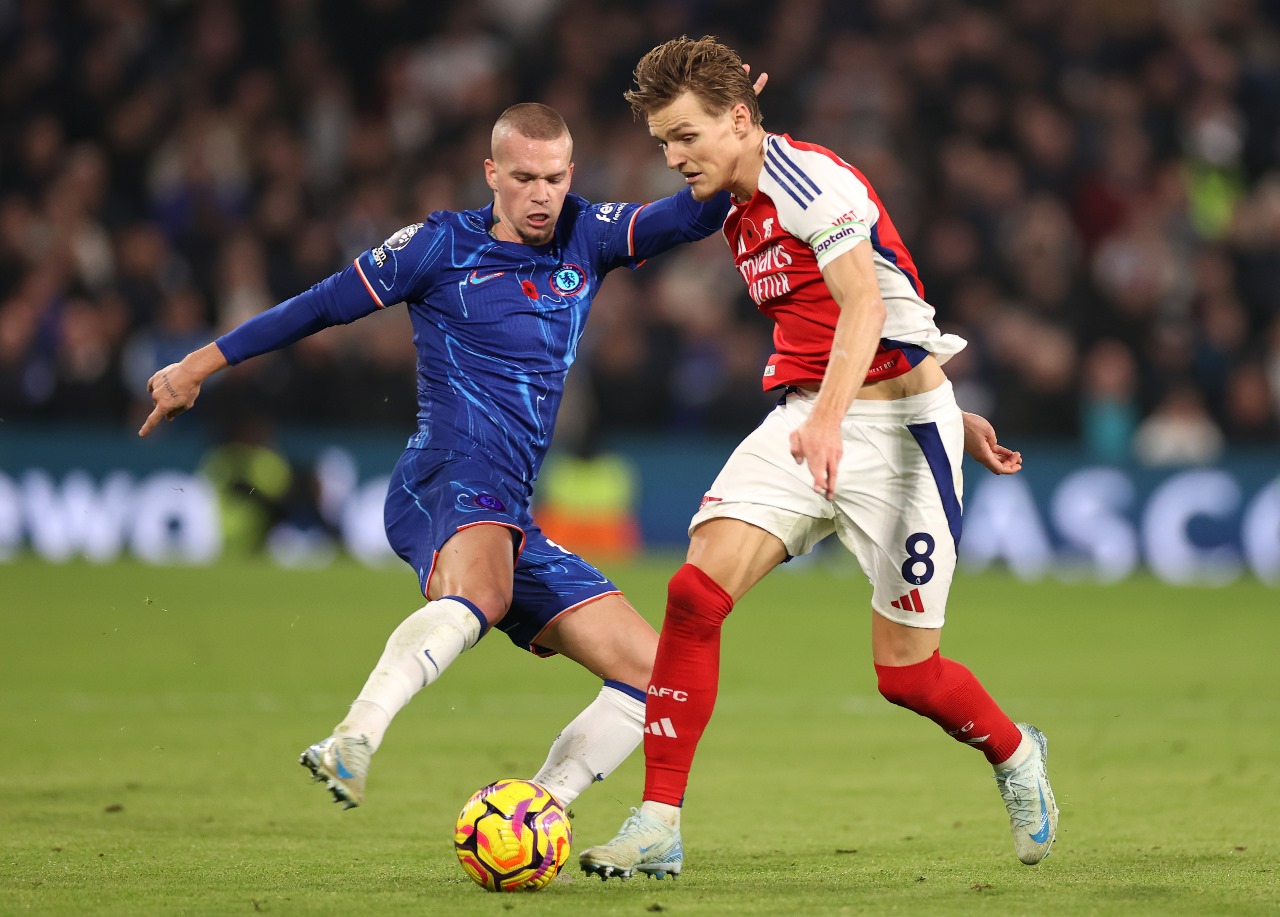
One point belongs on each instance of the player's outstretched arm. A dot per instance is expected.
(980, 442)
(175, 388)
(339, 299)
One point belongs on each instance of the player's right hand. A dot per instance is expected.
(820, 446)
(173, 390)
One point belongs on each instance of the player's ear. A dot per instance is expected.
(491, 174)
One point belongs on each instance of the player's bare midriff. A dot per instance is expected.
(924, 377)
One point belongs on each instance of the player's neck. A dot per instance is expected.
(498, 230)
(746, 175)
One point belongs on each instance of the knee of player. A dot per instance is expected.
(635, 669)
(905, 686)
(694, 598)
(492, 601)
(901, 696)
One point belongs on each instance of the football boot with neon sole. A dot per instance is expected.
(644, 844)
(1033, 814)
(341, 763)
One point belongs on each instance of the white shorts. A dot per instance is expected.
(898, 500)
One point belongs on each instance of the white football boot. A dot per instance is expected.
(643, 844)
(341, 763)
(1033, 814)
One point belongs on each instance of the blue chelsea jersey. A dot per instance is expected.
(497, 324)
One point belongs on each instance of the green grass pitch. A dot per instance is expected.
(155, 715)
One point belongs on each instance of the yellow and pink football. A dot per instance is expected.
(512, 836)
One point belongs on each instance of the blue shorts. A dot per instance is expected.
(435, 493)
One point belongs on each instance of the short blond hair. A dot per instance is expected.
(710, 70)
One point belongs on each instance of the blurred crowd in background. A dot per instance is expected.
(1091, 191)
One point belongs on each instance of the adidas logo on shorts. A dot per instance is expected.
(910, 602)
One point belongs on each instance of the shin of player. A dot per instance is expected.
(417, 653)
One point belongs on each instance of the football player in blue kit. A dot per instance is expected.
(498, 299)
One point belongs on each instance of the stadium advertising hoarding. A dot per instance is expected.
(1061, 517)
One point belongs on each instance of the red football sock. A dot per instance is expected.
(686, 674)
(949, 694)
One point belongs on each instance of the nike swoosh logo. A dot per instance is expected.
(1043, 834)
(342, 770)
(644, 850)
(476, 279)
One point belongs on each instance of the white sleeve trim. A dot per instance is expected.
(819, 199)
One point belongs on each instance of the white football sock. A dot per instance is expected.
(418, 651)
(667, 814)
(592, 746)
(1019, 756)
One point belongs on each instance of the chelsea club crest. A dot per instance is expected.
(568, 279)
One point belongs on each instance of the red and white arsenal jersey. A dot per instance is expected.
(810, 207)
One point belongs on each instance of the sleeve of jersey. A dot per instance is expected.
(819, 201)
(641, 231)
(336, 300)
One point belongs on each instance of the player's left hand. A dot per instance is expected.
(821, 446)
(980, 442)
(761, 81)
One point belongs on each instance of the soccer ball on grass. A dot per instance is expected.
(512, 836)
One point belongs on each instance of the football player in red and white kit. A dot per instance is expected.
(866, 444)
